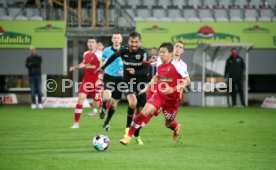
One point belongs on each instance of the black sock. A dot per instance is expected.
(104, 105)
(136, 134)
(110, 113)
(130, 113)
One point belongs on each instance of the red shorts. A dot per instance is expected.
(169, 107)
(88, 88)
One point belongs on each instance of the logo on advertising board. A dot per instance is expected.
(49, 27)
(155, 28)
(256, 29)
(205, 34)
(14, 38)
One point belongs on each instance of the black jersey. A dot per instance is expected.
(137, 60)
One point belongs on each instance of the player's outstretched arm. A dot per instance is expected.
(107, 62)
(149, 85)
(76, 67)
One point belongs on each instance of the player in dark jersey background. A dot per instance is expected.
(136, 70)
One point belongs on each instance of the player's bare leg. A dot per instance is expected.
(96, 105)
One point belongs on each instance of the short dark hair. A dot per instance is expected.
(93, 38)
(135, 34)
(167, 45)
(117, 32)
(232, 49)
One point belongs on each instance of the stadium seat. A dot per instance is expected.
(235, 15)
(159, 12)
(205, 15)
(272, 3)
(134, 3)
(14, 11)
(6, 17)
(251, 15)
(36, 18)
(149, 3)
(220, 15)
(143, 12)
(21, 17)
(194, 3)
(266, 15)
(174, 13)
(256, 3)
(131, 12)
(164, 3)
(226, 3)
(191, 15)
(241, 3)
(179, 3)
(210, 3)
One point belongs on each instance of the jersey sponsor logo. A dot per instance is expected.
(90, 66)
(165, 79)
(125, 56)
(138, 56)
(132, 64)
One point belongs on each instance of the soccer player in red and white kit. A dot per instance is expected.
(91, 81)
(178, 50)
(172, 78)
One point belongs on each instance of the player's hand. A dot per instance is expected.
(98, 70)
(143, 91)
(153, 59)
(72, 68)
(131, 70)
(167, 90)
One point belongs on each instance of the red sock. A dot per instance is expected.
(78, 111)
(136, 123)
(173, 125)
(146, 121)
(107, 105)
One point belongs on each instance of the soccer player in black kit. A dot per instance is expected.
(136, 72)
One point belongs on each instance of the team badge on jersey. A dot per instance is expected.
(137, 56)
(169, 69)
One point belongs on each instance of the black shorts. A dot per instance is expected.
(111, 83)
(141, 100)
(134, 87)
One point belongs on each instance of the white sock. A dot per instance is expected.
(95, 110)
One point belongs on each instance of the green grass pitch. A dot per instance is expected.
(212, 138)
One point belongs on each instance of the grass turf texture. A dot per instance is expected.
(212, 138)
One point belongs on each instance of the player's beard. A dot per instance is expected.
(134, 49)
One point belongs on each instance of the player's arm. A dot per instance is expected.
(77, 67)
(150, 84)
(110, 60)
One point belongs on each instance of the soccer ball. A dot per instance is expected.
(100, 142)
